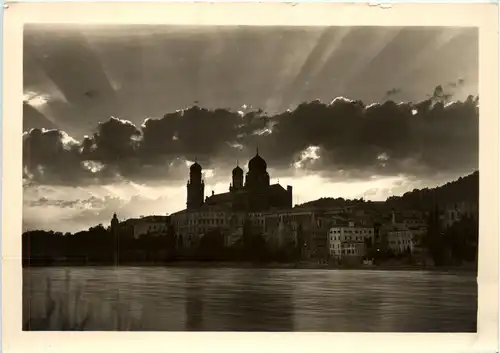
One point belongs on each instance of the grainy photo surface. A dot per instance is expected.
(250, 178)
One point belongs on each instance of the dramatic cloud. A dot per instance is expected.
(344, 136)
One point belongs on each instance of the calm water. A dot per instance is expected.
(154, 299)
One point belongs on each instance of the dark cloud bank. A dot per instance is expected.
(415, 139)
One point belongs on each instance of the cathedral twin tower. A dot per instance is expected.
(256, 186)
(195, 187)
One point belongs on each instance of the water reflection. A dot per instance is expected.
(194, 304)
(259, 302)
(162, 299)
(226, 301)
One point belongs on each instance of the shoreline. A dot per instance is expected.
(252, 265)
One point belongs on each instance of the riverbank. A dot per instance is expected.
(316, 266)
(273, 265)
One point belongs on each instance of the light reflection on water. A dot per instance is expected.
(179, 299)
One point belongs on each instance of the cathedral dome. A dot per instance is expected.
(195, 167)
(257, 163)
(237, 171)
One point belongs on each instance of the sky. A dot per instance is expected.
(114, 115)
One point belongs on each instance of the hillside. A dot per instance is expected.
(330, 202)
(463, 189)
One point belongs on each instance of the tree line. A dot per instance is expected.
(453, 245)
(463, 189)
(99, 245)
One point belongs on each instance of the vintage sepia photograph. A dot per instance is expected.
(250, 178)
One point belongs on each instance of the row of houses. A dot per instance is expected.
(142, 226)
(335, 234)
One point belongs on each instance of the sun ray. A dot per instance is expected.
(107, 69)
(39, 89)
(84, 73)
(427, 53)
(270, 65)
(209, 63)
(381, 39)
(318, 56)
(290, 67)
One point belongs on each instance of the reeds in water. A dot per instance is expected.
(69, 312)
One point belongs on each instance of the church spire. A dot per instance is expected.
(257, 149)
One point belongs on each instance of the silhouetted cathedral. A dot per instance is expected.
(254, 194)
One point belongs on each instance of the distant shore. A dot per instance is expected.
(260, 265)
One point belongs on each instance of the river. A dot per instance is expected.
(222, 299)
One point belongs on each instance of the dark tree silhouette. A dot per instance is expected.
(434, 239)
(463, 189)
(462, 240)
(211, 245)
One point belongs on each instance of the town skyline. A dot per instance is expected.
(127, 215)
